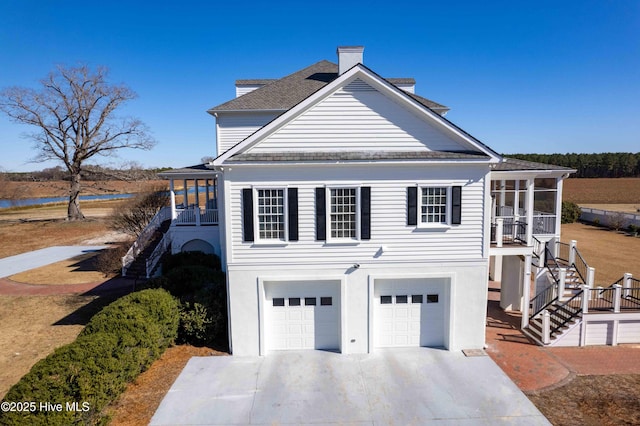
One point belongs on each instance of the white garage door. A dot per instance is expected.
(302, 315)
(409, 312)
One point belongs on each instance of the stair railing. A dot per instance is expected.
(544, 299)
(156, 255)
(145, 236)
(561, 311)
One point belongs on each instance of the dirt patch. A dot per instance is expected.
(602, 191)
(139, 402)
(593, 400)
(611, 253)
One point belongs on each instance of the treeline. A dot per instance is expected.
(603, 165)
(93, 173)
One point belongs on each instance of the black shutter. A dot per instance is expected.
(292, 194)
(247, 214)
(456, 205)
(365, 213)
(412, 205)
(321, 215)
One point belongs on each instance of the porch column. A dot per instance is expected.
(516, 209)
(172, 194)
(558, 210)
(186, 195)
(207, 204)
(526, 290)
(197, 193)
(529, 205)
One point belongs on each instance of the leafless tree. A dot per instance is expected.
(74, 114)
(134, 216)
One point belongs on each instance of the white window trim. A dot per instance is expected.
(256, 219)
(431, 225)
(342, 241)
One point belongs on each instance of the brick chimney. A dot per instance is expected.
(348, 56)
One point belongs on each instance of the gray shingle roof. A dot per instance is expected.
(189, 170)
(353, 156)
(513, 164)
(287, 92)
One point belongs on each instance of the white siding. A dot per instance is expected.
(243, 89)
(629, 331)
(388, 215)
(234, 127)
(357, 117)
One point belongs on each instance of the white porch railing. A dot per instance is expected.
(196, 216)
(145, 236)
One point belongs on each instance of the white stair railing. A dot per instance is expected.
(145, 236)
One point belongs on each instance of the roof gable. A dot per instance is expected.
(458, 140)
(357, 117)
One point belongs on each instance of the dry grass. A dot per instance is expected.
(32, 327)
(77, 270)
(21, 190)
(611, 253)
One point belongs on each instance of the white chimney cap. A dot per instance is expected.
(348, 57)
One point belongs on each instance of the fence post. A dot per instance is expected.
(627, 284)
(546, 327)
(197, 213)
(499, 231)
(586, 293)
(616, 300)
(562, 280)
(573, 244)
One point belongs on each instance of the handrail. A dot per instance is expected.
(564, 306)
(152, 260)
(563, 251)
(537, 244)
(145, 236)
(543, 299)
(580, 265)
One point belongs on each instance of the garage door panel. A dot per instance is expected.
(409, 312)
(309, 318)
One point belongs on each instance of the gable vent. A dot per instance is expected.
(358, 85)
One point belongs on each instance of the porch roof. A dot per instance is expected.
(190, 172)
(514, 164)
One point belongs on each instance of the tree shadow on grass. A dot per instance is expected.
(106, 293)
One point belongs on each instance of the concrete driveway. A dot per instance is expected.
(409, 386)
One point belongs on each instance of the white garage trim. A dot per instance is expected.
(263, 282)
(447, 296)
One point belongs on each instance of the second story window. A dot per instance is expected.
(433, 205)
(271, 214)
(343, 214)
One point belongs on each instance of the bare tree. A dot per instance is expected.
(74, 113)
(134, 216)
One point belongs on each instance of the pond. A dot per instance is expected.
(46, 200)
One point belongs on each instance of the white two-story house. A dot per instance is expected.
(350, 215)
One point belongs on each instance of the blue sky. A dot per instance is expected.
(545, 76)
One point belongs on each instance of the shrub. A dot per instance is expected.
(634, 229)
(570, 212)
(617, 221)
(109, 261)
(117, 344)
(192, 258)
(195, 323)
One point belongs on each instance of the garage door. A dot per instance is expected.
(409, 312)
(302, 315)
